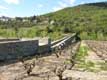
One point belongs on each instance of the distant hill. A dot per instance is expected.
(90, 20)
(89, 17)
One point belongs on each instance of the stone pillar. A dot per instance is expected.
(49, 44)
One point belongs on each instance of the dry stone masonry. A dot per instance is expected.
(15, 48)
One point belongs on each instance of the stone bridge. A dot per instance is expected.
(15, 48)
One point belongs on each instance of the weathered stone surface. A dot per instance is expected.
(15, 49)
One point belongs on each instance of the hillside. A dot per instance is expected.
(90, 18)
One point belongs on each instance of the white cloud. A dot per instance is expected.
(57, 8)
(40, 6)
(71, 1)
(12, 1)
(61, 6)
(3, 14)
(3, 7)
(2, 10)
(82, 2)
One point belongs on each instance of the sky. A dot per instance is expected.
(22, 8)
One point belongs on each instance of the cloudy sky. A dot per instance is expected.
(21, 8)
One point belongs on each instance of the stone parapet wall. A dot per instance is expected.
(65, 42)
(13, 50)
(43, 49)
(3, 40)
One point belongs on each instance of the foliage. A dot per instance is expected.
(82, 53)
(88, 19)
(80, 59)
(103, 66)
(30, 33)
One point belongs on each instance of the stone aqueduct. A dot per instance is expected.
(15, 48)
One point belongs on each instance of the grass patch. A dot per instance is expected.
(83, 51)
(89, 65)
(80, 59)
(31, 32)
(103, 66)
